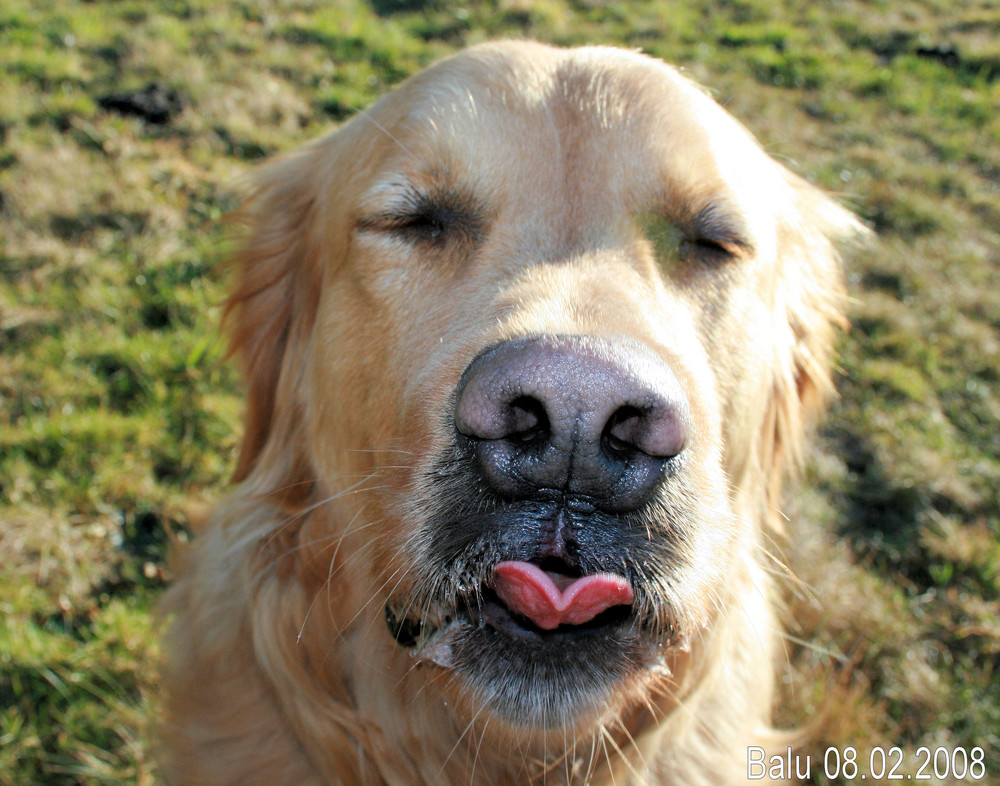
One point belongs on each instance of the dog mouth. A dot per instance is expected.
(544, 611)
(539, 647)
(524, 601)
(499, 616)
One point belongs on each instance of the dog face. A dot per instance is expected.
(528, 344)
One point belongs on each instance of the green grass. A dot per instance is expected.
(119, 416)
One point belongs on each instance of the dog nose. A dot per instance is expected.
(593, 417)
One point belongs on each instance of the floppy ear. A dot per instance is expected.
(811, 297)
(270, 313)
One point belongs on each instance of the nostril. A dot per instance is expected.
(527, 420)
(623, 431)
(659, 431)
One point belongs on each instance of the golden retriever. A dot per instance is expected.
(528, 346)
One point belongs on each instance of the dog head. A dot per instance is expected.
(529, 344)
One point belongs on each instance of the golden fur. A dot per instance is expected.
(354, 326)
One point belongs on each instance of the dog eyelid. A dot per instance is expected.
(423, 218)
(430, 223)
(713, 231)
(425, 225)
(692, 240)
(711, 248)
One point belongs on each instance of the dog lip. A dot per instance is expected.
(491, 611)
(558, 610)
(427, 641)
(406, 631)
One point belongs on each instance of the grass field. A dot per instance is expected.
(119, 416)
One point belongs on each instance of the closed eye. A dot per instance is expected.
(716, 231)
(433, 219)
(430, 223)
(710, 250)
(704, 239)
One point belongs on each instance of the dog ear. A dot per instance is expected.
(271, 309)
(812, 298)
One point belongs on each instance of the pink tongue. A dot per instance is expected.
(531, 592)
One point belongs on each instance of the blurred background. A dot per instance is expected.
(125, 128)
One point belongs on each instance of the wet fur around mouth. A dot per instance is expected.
(470, 529)
(451, 617)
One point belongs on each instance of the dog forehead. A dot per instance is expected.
(601, 86)
(515, 102)
(603, 120)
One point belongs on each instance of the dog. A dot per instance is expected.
(529, 346)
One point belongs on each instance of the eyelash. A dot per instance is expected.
(688, 243)
(706, 248)
(426, 223)
(431, 223)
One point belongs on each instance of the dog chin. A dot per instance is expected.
(537, 679)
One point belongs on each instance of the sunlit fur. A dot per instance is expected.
(353, 334)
